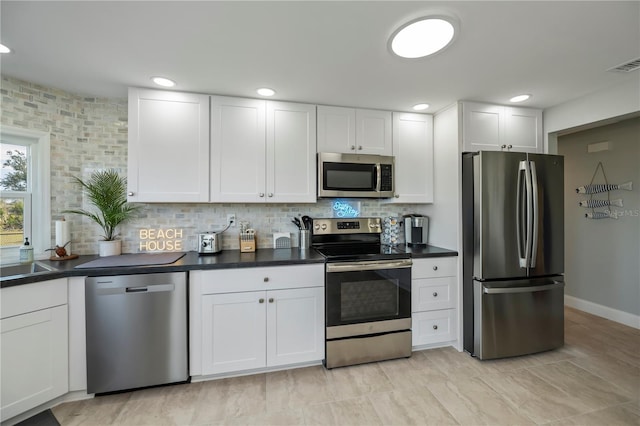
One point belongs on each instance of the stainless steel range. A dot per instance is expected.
(367, 292)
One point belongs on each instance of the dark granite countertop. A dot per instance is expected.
(192, 261)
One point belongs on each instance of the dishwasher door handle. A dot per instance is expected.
(151, 288)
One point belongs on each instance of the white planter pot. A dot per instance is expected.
(110, 248)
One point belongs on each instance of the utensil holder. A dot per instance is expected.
(304, 239)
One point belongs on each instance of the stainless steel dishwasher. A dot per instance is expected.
(136, 331)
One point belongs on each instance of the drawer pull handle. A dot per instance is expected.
(271, 300)
(435, 294)
(435, 327)
(261, 300)
(265, 279)
(435, 268)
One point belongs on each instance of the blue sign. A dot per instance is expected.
(345, 208)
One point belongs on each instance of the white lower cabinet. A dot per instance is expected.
(33, 346)
(245, 319)
(434, 296)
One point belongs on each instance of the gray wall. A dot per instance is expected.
(602, 257)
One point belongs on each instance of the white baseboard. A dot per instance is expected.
(603, 311)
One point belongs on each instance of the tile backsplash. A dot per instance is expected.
(89, 133)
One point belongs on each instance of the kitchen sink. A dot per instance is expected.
(24, 269)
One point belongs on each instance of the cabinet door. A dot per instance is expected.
(233, 332)
(483, 127)
(168, 157)
(238, 168)
(295, 326)
(373, 132)
(524, 129)
(336, 129)
(34, 356)
(413, 152)
(291, 153)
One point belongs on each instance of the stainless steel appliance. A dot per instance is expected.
(367, 292)
(355, 175)
(513, 253)
(209, 242)
(416, 230)
(136, 331)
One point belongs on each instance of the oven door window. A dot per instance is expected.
(364, 296)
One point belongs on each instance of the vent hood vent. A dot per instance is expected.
(629, 66)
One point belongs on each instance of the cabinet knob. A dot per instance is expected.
(261, 300)
(265, 279)
(435, 327)
(509, 146)
(270, 194)
(435, 268)
(261, 194)
(271, 300)
(503, 146)
(353, 147)
(360, 148)
(397, 195)
(130, 194)
(435, 294)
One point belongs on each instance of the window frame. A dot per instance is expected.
(39, 186)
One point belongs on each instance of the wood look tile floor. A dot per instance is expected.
(593, 380)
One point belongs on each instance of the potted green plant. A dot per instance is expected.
(106, 190)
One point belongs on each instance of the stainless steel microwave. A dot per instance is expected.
(355, 175)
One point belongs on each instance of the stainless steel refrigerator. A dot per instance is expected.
(513, 253)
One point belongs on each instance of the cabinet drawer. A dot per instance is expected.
(258, 279)
(433, 327)
(25, 298)
(428, 294)
(434, 267)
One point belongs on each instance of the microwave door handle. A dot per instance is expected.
(378, 176)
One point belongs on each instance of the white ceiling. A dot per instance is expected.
(324, 52)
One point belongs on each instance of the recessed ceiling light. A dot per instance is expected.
(265, 91)
(519, 98)
(164, 82)
(420, 107)
(4, 49)
(423, 37)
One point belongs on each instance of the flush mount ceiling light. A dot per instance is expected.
(420, 107)
(519, 98)
(265, 91)
(162, 81)
(423, 37)
(4, 49)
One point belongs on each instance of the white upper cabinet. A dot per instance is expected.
(238, 149)
(494, 127)
(355, 131)
(413, 152)
(168, 157)
(291, 152)
(262, 151)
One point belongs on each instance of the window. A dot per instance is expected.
(24, 185)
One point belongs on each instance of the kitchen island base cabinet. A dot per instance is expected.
(34, 346)
(256, 318)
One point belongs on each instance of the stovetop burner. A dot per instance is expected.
(352, 239)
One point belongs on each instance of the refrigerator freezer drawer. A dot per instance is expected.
(517, 320)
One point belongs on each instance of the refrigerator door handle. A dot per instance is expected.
(535, 213)
(532, 289)
(519, 215)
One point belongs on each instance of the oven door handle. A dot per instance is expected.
(368, 265)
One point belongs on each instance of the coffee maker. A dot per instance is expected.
(416, 230)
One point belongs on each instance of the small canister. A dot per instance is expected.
(304, 239)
